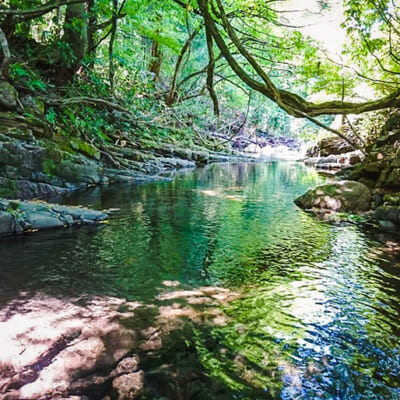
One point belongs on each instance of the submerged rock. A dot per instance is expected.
(56, 348)
(345, 196)
(17, 217)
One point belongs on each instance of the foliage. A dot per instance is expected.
(293, 61)
(26, 76)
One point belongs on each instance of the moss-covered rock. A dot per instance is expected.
(8, 96)
(85, 148)
(345, 196)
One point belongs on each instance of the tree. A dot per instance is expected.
(215, 17)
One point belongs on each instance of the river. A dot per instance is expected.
(301, 308)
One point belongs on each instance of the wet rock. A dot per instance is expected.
(28, 190)
(388, 213)
(7, 223)
(388, 226)
(346, 196)
(19, 216)
(44, 221)
(128, 386)
(8, 96)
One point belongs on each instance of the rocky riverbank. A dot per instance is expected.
(374, 180)
(42, 156)
(332, 154)
(36, 168)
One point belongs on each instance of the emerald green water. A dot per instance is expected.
(317, 310)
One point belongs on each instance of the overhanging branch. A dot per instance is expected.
(292, 103)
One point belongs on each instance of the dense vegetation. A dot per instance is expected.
(165, 66)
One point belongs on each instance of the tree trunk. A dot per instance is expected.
(91, 42)
(111, 70)
(210, 72)
(75, 35)
(155, 62)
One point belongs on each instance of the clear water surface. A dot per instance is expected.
(318, 314)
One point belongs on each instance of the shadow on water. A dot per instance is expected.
(230, 290)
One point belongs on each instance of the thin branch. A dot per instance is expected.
(26, 15)
(171, 95)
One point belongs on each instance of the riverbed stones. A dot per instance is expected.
(344, 196)
(54, 348)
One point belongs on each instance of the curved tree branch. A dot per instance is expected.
(26, 15)
(292, 103)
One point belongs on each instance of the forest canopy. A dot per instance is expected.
(235, 52)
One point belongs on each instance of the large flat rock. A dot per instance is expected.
(17, 217)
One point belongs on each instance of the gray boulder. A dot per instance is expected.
(345, 196)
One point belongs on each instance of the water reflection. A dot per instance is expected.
(318, 314)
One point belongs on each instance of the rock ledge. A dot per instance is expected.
(18, 217)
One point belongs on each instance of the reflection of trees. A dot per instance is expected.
(166, 230)
(313, 307)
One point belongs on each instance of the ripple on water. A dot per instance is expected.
(319, 305)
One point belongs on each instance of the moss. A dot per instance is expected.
(85, 148)
(50, 168)
(8, 189)
(13, 206)
(393, 198)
